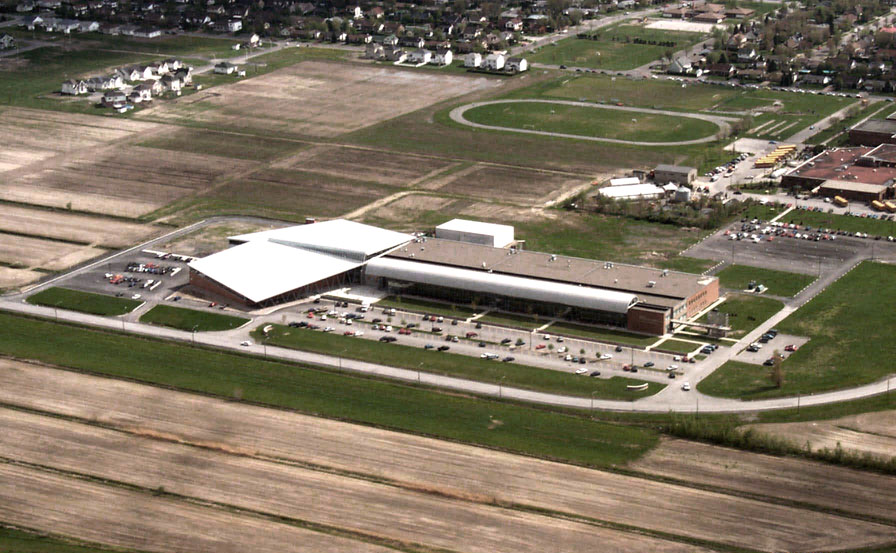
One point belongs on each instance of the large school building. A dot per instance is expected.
(463, 267)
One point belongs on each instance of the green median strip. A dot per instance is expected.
(190, 319)
(398, 406)
(85, 302)
(461, 366)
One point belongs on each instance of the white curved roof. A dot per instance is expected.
(505, 285)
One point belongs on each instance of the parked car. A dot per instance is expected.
(686, 386)
(444, 348)
(582, 370)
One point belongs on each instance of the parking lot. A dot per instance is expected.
(765, 351)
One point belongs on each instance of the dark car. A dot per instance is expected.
(506, 341)
(388, 339)
(482, 344)
(478, 325)
(437, 329)
(634, 369)
(453, 322)
(618, 348)
(594, 373)
(649, 364)
(508, 359)
(672, 375)
(443, 348)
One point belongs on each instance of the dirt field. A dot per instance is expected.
(509, 184)
(31, 135)
(828, 486)
(426, 464)
(71, 226)
(308, 495)
(300, 194)
(13, 278)
(361, 164)
(126, 180)
(57, 504)
(46, 254)
(317, 99)
(873, 433)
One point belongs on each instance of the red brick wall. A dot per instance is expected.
(651, 321)
(703, 298)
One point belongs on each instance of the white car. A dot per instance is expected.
(672, 368)
(605, 356)
(583, 370)
(686, 386)
(246, 343)
(562, 349)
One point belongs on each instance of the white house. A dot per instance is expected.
(74, 87)
(185, 74)
(31, 22)
(225, 68)
(375, 51)
(144, 91)
(6, 42)
(494, 62)
(89, 26)
(680, 66)
(517, 65)
(443, 57)
(254, 40)
(114, 97)
(355, 12)
(473, 59)
(234, 25)
(396, 54)
(172, 83)
(419, 56)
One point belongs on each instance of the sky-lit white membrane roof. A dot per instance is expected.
(260, 269)
(504, 285)
(339, 237)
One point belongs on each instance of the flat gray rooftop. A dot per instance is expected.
(668, 290)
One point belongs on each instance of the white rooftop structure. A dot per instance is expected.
(339, 237)
(261, 269)
(476, 232)
(500, 284)
(632, 192)
(624, 181)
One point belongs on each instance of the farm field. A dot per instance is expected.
(314, 98)
(85, 302)
(452, 364)
(223, 144)
(779, 283)
(870, 433)
(853, 491)
(373, 509)
(591, 122)
(72, 227)
(362, 164)
(190, 319)
(386, 404)
(79, 508)
(614, 48)
(51, 255)
(21, 541)
(505, 184)
(121, 180)
(133, 413)
(213, 238)
(13, 278)
(840, 321)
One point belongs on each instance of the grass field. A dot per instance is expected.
(190, 319)
(512, 320)
(877, 108)
(363, 400)
(17, 541)
(446, 363)
(849, 344)
(434, 307)
(779, 283)
(166, 45)
(85, 302)
(678, 346)
(613, 48)
(746, 312)
(592, 122)
(834, 221)
(602, 334)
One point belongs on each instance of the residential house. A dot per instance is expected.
(739, 13)
(234, 25)
(677, 13)
(225, 68)
(419, 56)
(26, 6)
(751, 74)
(725, 70)
(820, 80)
(376, 12)
(680, 66)
(7, 42)
(74, 87)
(473, 59)
(172, 83)
(355, 12)
(115, 97)
(375, 51)
(386, 40)
(494, 62)
(745, 54)
(185, 74)
(359, 38)
(517, 65)
(173, 64)
(411, 42)
(443, 56)
(395, 53)
(49, 4)
(515, 24)
(89, 26)
(709, 17)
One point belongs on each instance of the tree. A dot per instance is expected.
(777, 371)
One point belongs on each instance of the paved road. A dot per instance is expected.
(457, 115)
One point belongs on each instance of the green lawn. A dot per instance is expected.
(746, 312)
(430, 307)
(190, 319)
(601, 334)
(336, 395)
(591, 122)
(512, 320)
(18, 541)
(850, 341)
(430, 361)
(688, 264)
(180, 46)
(614, 48)
(85, 302)
(834, 221)
(678, 346)
(779, 283)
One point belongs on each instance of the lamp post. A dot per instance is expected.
(193, 332)
(501, 386)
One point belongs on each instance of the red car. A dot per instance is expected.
(404, 331)
(790, 347)
(540, 346)
(471, 335)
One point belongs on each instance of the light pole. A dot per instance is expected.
(501, 386)
(193, 332)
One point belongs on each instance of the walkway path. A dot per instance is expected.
(457, 115)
